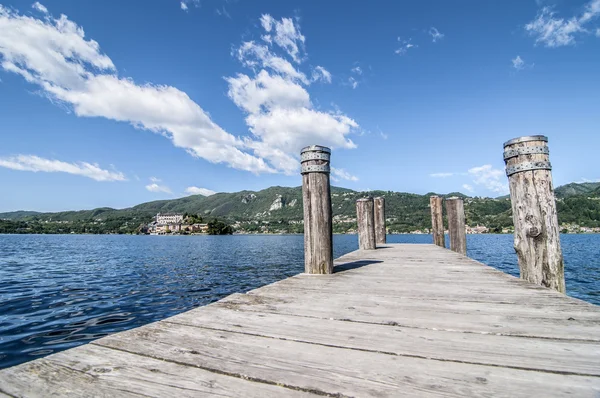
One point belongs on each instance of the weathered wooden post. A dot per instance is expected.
(365, 218)
(455, 210)
(535, 219)
(316, 194)
(380, 231)
(437, 221)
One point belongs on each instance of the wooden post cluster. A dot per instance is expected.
(316, 195)
(535, 219)
(455, 209)
(365, 218)
(437, 221)
(380, 230)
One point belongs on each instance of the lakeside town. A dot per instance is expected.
(185, 224)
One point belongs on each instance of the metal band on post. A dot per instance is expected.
(315, 152)
(528, 150)
(528, 138)
(527, 166)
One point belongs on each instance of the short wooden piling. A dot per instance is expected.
(437, 221)
(455, 210)
(380, 230)
(365, 218)
(535, 219)
(316, 194)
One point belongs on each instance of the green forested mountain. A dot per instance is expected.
(279, 209)
(576, 189)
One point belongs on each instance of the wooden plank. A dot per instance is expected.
(95, 371)
(373, 310)
(540, 354)
(344, 372)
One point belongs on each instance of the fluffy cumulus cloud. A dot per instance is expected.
(341, 174)
(321, 74)
(39, 7)
(54, 54)
(156, 186)
(468, 188)
(199, 191)
(274, 95)
(554, 31)
(491, 179)
(38, 164)
(519, 63)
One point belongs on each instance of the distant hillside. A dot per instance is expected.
(279, 209)
(575, 189)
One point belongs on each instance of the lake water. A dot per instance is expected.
(60, 291)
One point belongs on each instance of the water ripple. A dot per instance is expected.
(60, 291)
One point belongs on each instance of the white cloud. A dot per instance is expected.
(286, 34)
(341, 174)
(353, 82)
(199, 191)
(154, 179)
(405, 45)
(598, 32)
(468, 188)
(441, 175)
(435, 34)
(280, 113)
(184, 4)
(154, 187)
(357, 70)
(38, 6)
(490, 178)
(518, 63)
(552, 31)
(320, 73)
(53, 54)
(38, 164)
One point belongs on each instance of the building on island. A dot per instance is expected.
(171, 223)
(168, 218)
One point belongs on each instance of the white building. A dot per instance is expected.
(169, 218)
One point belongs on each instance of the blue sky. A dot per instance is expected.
(114, 104)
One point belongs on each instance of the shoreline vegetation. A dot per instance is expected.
(278, 210)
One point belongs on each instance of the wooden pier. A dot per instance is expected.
(402, 320)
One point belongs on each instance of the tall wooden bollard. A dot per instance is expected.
(535, 219)
(455, 209)
(437, 221)
(316, 195)
(380, 230)
(365, 218)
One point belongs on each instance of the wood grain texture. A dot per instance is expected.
(380, 228)
(455, 209)
(336, 370)
(437, 221)
(365, 219)
(318, 224)
(537, 240)
(403, 320)
(95, 371)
